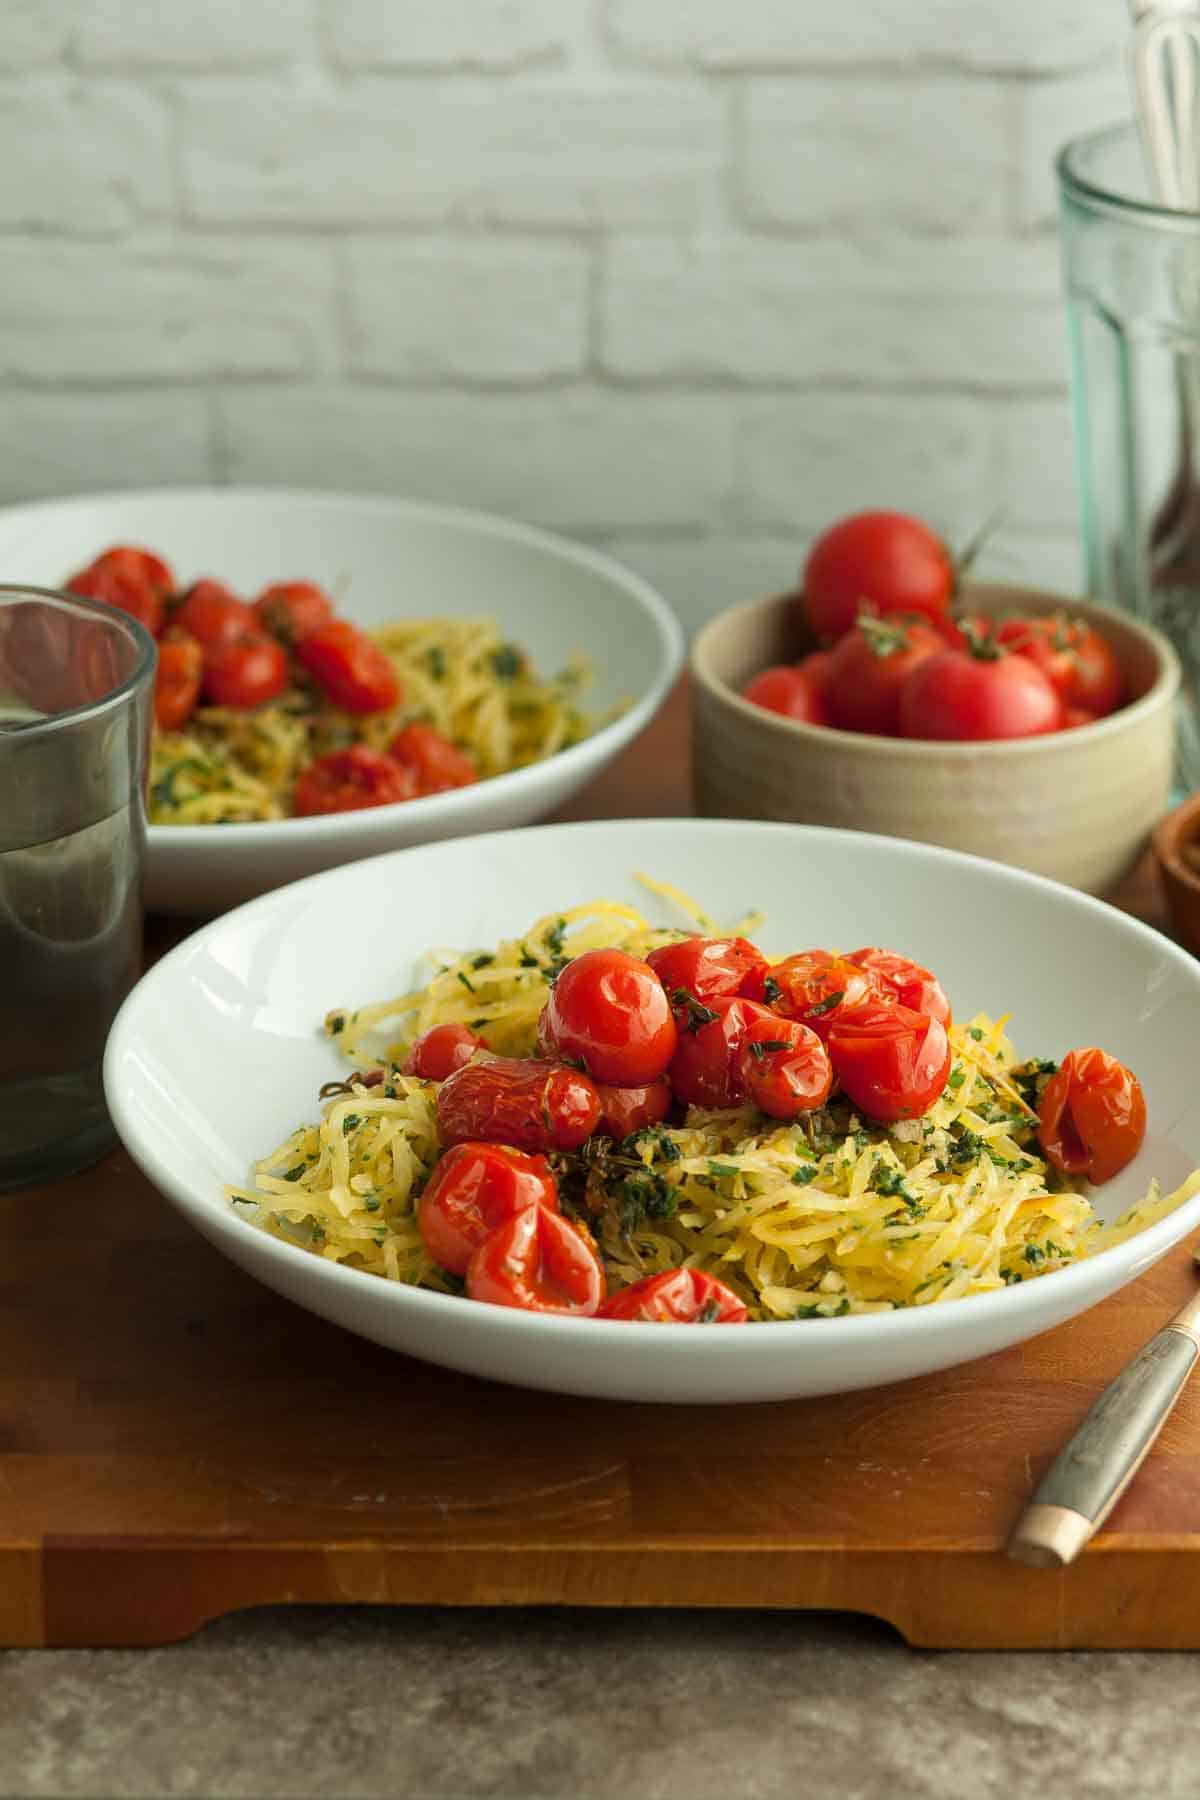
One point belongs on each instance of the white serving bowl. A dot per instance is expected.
(383, 559)
(215, 1058)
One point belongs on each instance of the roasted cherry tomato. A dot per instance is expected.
(531, 1104)
(814, 986)
(540, 1262)
(869, 667)
(437, 764)
(978, 694)
(350, 780)
(133, 580)
(792, 689)
(884, 560)
(1080, 664)
(610, 1009)
(1092, 1115)
(676, 1297)
(290, 610)
(473, 1189)
(707, 1068)
(350, 668)
(788, 1073)
(177, 680)
(624, 1110)
(440, 1050)
(247, 672)
(706, 969)
(891, 1062)
(905, 980)
(214, 616)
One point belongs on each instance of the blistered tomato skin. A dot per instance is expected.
(539, 1262)
(1092, 1115)
(473, 1189)
(891, 1062)
(786, 1073)
(707, 1069)
(707, 969)
(350, 668)
(438, 1052)
(609, 1010)
(349, 781)
(530, 1104)
(905, 980)
(624, 1110)
(814, 986)
(676, 1297)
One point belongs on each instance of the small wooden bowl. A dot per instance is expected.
(1076, 805)
(1180, 879)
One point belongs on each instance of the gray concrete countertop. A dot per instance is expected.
(575, 1705)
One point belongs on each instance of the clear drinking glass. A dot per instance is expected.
(1133, 298)
(76, 682)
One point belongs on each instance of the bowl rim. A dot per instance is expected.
(1171, 831)
(222, 1222)
(1159, 694)
(265, 834)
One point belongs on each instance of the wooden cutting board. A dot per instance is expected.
(176, 1442)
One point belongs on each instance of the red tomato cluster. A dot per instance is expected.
(217, 648)
(877, 592)
(704, 1022)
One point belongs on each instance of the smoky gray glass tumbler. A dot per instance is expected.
(76, 683)
(1133, 298)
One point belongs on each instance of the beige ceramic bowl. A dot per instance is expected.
(1075, 805)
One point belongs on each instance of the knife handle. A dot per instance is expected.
(1088, 1477)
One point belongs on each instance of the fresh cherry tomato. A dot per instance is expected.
(708, 1068)
(891, 1062)
(706, 969)
(1080, 664)
(214, 616)
(351, 780)
(440, 1050)
(351, 670)
(971, 696)
(792, 689)
(177, 680)
(869, 667)
(676, 1297)
(540, 1262)
(905, 980)
(247, 672)
(1092, 1115)
(624, 1110)
(127, 579)
(531, 1104)
(885, 561)
(1074, 716)
(290, 610)
(437, 764)
(788, 1073)
(814, 986)
(473, 1189)
(609, 1009)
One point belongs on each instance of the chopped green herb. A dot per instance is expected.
(723, 1169)
(956, 1078)
(467, 983)
(296, 1173)
(349, 1122)
(371, 1203)
(760, 1047)
(507, 662)
(771, 990)
(336, 1023)
(804, 1177)
(482, 961)
(825, 1006)
(436, 658)
(709, 1314)
(697, 1014)
(976, 1032)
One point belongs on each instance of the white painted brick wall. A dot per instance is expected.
(686, 277)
